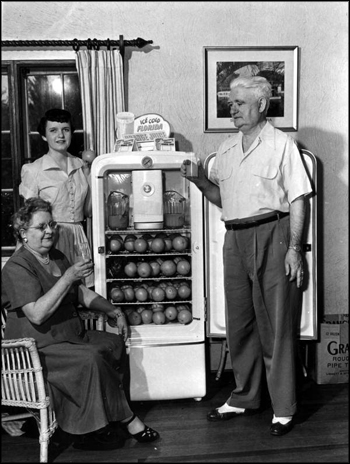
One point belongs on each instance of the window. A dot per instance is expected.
(29, 89)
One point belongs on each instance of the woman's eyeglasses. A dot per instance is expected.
(42, 227)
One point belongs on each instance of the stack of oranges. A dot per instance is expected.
(159, 314)
(161, 243)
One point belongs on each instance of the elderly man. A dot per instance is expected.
(259, 181)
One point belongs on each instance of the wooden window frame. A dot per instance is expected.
(17, 111)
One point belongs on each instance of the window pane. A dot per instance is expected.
(5, 112)
(6, 146)
(6, 174)
(44, 93)
(38, 146)
(77, 145)
(7, 238)
(72, 99)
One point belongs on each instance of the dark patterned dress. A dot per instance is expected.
(84, 369)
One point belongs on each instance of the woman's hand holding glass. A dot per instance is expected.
(79, 270)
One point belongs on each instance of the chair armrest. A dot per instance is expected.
(22, 381)
(93, 320)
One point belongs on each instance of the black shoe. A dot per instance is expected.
(147, 435)
(216, 416)
(97, 441)
(279, 429)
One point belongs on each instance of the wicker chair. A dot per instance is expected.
(23, 384)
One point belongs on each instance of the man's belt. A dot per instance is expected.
(254, 221)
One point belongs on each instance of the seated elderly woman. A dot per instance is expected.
(84, 369)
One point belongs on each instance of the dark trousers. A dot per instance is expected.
(262, 316)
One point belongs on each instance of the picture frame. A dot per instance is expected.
(280, 65)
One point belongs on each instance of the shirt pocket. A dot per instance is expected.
(265, 172)
(225, 182)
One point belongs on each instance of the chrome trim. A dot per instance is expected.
(152, 345)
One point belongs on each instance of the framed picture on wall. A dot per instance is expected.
(279, 65)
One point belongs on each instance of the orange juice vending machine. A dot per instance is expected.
(148, 254)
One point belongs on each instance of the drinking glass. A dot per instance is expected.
(83, 250)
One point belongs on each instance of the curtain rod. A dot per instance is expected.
(76, 44)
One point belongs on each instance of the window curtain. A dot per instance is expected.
(102, 94)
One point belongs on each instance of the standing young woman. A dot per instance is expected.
(63, 180)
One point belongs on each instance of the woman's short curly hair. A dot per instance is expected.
(22, 218)
(57, 115)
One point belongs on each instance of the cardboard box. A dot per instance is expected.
(329, 358)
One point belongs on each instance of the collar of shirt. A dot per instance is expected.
(74, 163)
(267, 135)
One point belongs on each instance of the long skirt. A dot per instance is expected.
(85, 381)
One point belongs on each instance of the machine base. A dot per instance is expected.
(165, 372)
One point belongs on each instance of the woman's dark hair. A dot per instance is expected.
(57, 115)
(22, 218)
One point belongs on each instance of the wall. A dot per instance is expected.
(167, 78)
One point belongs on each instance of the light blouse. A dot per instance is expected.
(66, 191)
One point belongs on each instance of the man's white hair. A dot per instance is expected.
(260, 86)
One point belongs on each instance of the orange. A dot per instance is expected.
(183, 267)
(168, 244)
(117, 295)
(148, 238)
(134, 318)
(147, 316)
(88, 156)
(130, 269)
(155, 268)
(158, 294)
(184, 291)
(129, 293)
(141, 294)
(179, 243)
(129, 242)
(168, 267)
(171, 292)
(158, 245)
(144, 269)
(116, 245)
(158, 317)
(170, 313)
(140, 245)
(184, 316)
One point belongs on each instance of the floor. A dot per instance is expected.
(320, 433)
